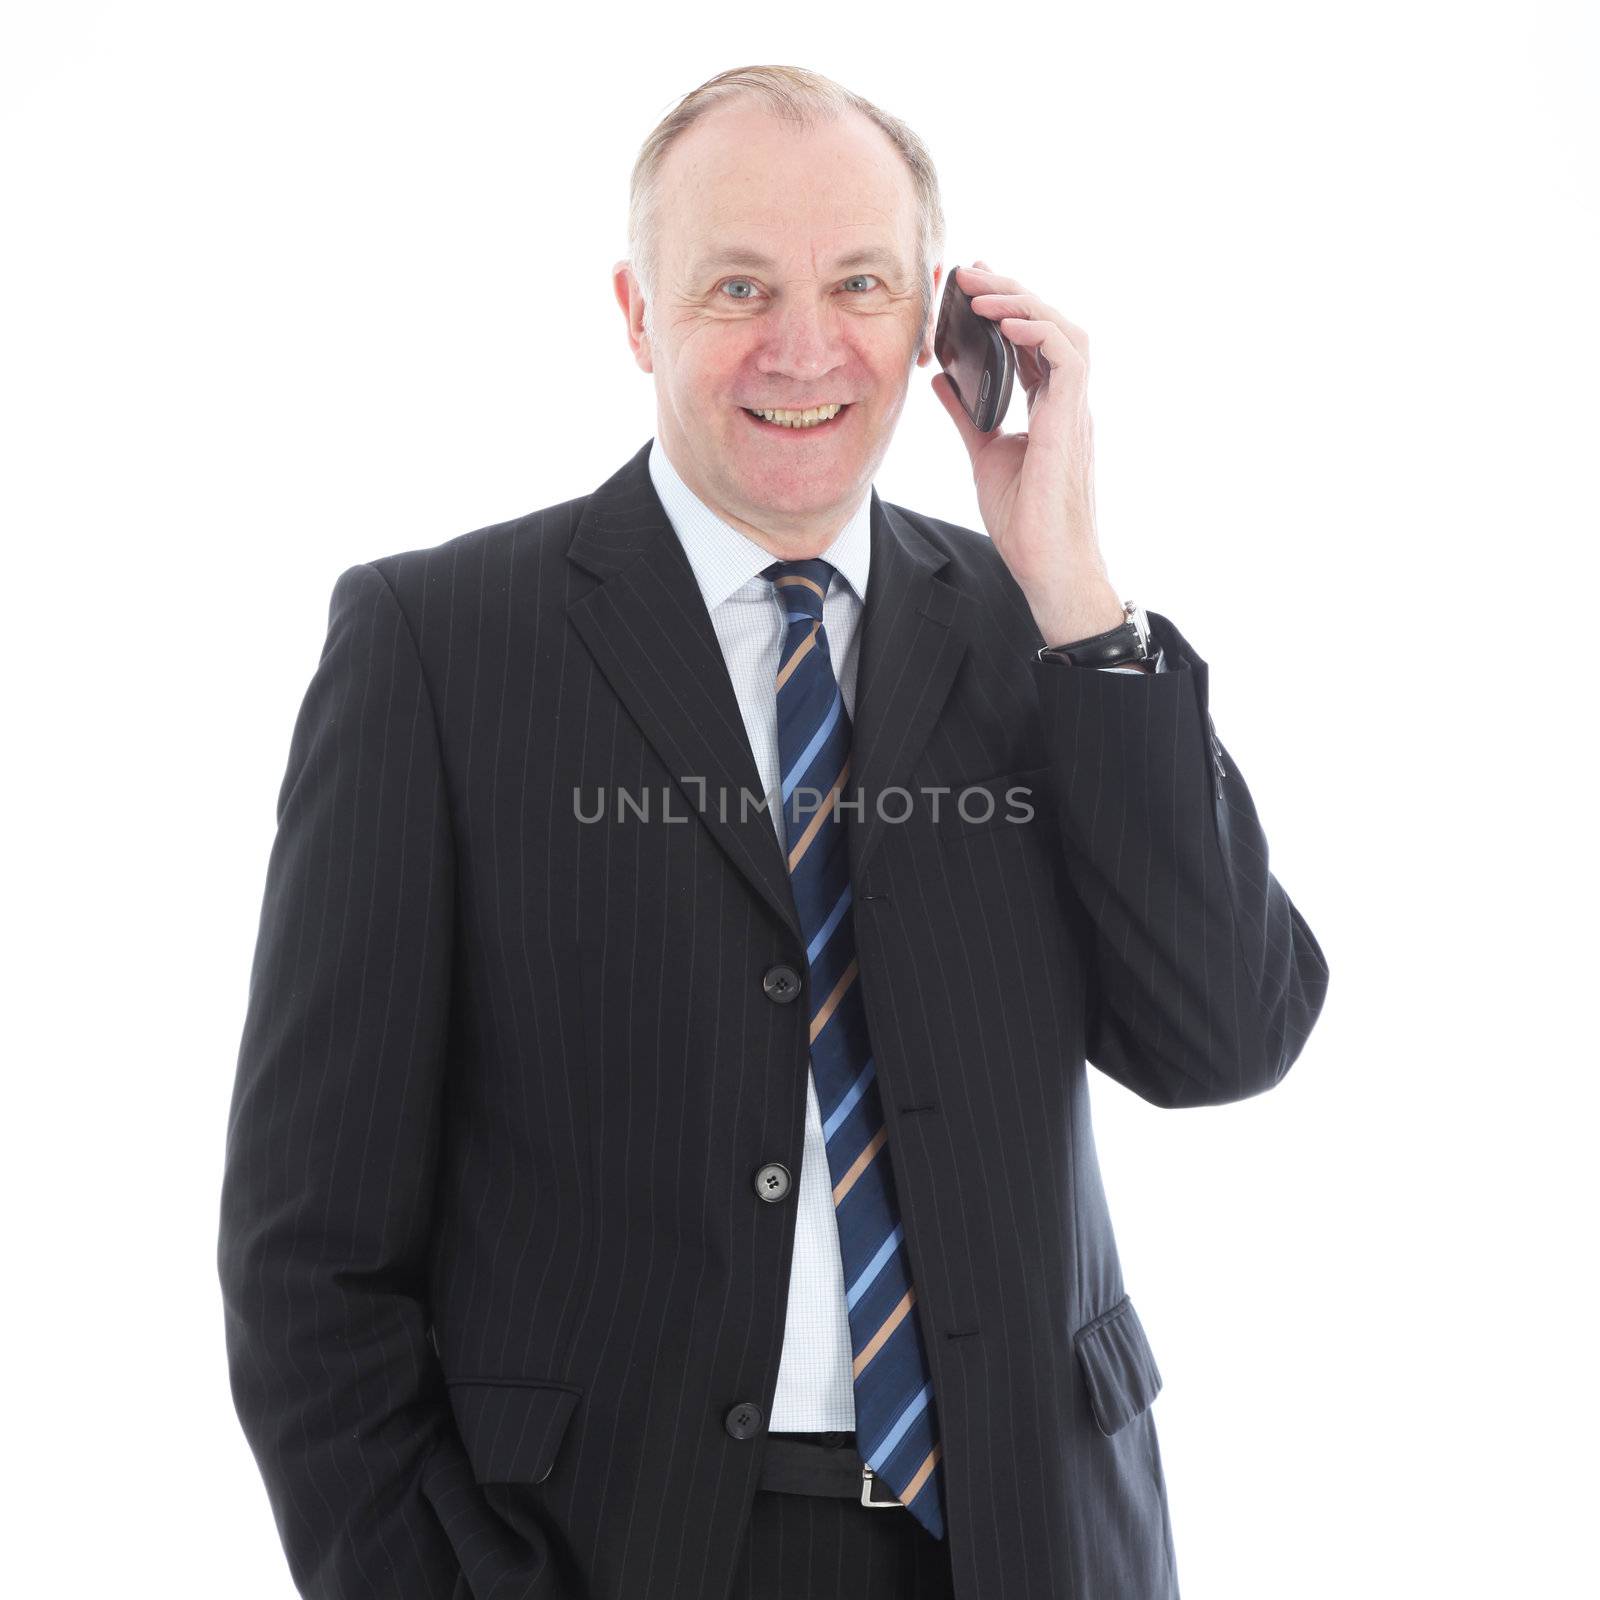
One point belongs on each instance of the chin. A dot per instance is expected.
(783, 491)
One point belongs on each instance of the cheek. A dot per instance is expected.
(710, 358)
(887, 348)
(723, 349)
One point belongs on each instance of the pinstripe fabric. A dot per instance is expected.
(504, 1307)
(815, 1389)
(813, 1547)
(895, 1421)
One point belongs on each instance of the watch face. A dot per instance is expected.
(1142, 623)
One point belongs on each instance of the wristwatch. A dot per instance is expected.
(1128, 641)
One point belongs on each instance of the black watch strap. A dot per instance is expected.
(1128, 641)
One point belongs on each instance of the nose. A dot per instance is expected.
(804, 341)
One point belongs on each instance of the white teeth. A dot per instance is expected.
(800, 419)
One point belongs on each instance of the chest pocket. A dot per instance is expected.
(1019, 799)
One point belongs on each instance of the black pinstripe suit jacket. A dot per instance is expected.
(494, 1267)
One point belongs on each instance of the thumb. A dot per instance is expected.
(951, 401)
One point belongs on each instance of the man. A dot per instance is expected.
(634, 1192)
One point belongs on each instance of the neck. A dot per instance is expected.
(801, 537)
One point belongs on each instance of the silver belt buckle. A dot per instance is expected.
(868, 1479)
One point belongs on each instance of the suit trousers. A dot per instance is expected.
(827, 1545)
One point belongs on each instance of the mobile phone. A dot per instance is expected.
(980, 359)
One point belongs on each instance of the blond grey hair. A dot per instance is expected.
(806, 99)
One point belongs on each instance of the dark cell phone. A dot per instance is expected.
(980, 359)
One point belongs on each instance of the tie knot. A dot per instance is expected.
(801, 585)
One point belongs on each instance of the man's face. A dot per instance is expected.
(788, 278)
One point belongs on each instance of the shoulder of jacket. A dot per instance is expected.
(481, 554)
(971, 550)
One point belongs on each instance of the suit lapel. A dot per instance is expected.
(646, 624)
(914, 633)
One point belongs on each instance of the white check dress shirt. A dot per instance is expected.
(815, 1391)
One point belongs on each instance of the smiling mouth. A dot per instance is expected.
(808, 421)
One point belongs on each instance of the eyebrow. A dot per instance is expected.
(737, 257)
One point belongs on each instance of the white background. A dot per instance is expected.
(289, 287)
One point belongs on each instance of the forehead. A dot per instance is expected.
(745, 189)
(710, 254)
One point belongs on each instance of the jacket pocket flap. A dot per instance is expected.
(1118, 1365)
(511, 1430)
(1007, 799)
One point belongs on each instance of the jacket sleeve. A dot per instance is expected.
(332, 1134)
(1205, 980)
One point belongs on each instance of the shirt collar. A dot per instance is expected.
(724, 559)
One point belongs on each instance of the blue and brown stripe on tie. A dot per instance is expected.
(895, 1424)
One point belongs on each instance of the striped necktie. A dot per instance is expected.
(896, 1431)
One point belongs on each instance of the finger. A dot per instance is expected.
(977, 280)
(1032, 369)
(951, 401)
(1000, 306)
(1044, 338)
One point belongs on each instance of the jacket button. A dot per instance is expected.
(772, 1181)
(782, 983)
(743, 1421)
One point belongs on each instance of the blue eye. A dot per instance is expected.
(858, 277)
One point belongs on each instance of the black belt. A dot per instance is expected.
(822, 1463)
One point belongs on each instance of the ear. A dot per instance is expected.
(630, 296)
(925, 352)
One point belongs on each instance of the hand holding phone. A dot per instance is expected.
(980, 360)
